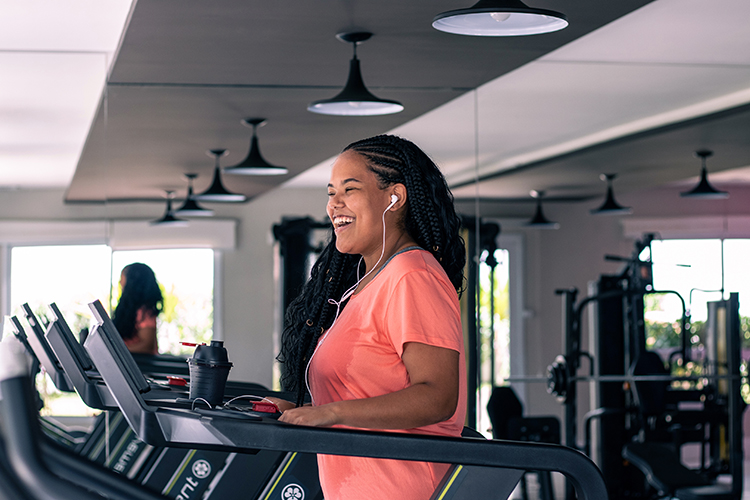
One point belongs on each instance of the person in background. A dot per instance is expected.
(375, 335)
(140, 303)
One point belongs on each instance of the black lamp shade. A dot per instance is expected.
(169, 219)
(539, 221)
(610, 206)
(216, 191)
(499, 18)
(190, 207)
(704, 190)
(254, 163)
(355, 99)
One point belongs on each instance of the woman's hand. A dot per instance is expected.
(282, 404)
(320, 416)
(317, 416)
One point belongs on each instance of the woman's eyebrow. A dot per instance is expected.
(345, 181)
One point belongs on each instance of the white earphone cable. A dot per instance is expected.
(348, 293)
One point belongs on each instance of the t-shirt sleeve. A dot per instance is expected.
(423, 308)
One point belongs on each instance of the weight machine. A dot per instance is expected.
(639, 418)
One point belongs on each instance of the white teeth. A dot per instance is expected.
(342, 221)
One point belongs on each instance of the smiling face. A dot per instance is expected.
(355, 206)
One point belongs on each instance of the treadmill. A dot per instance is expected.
(74, 364)
(174, 472)
(43, 351)
(485, 467)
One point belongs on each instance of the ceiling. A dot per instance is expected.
(630, 87)
(54, 57)
(636, 98)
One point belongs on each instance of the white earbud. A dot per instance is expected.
(394, 199)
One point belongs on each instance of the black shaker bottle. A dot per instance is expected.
(209, 369)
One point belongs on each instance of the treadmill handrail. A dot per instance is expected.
(186, 428)
(118, 344)
(93, 392)
(20, 334)
(66, 334)
(22, 445)
(96, 477)
(10, 487)
(43, 465)
(44, 352)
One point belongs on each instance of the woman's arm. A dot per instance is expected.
(144, 341)
(431, 398)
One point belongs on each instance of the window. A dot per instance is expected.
(503, 351)
(700, 271)
(186, 277)
(69, 275)
(72, 276)
(494, 315)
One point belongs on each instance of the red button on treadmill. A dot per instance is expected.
(178, 381)
(265, 407)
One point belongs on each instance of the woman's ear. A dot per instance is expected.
(399, 192)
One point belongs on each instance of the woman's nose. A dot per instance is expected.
(335, 201)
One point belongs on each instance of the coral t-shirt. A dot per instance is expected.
(410, 300)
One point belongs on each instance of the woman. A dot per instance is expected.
(140, 303)
(376, 334)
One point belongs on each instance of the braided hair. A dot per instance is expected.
(141, 290)
(430, 219)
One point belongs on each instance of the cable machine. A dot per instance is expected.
(640, 416)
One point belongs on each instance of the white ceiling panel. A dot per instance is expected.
(47, 104)
(54, 58)
(62, 25)
(669, 32)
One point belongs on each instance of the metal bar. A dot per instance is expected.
(630, 378)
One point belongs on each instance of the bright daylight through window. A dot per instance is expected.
(494, 311)
(700, 271)
(72, 276)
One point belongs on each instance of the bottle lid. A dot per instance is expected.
(213, 354)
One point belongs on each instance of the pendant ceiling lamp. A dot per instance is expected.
(190, 207)
(216, 191)
(355, 99)
(539, 221)
(610, 206)
(499, 18)
(254, 163)
(704, 189)
(169, 219)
